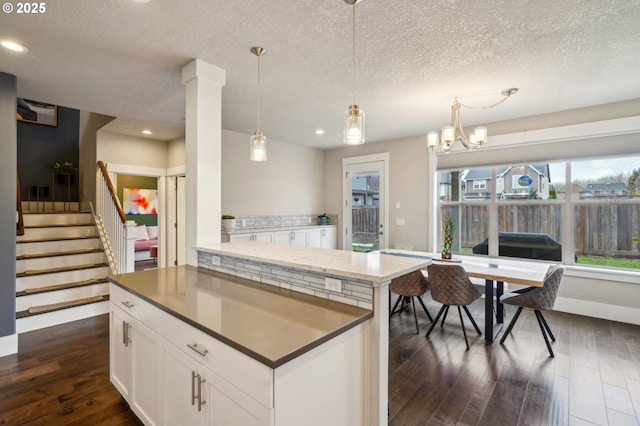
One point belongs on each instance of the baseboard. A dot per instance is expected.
(8, 345)
(598, 310)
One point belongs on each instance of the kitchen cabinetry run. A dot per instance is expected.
(310, 236)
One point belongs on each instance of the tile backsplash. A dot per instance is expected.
(278, 221)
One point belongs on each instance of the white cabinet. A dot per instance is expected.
(296, 237)
(184, 398)
(266, 237)
(323, 237)
(168, 381)
(135, 362)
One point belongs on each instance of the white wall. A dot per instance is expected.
(289, 182)
(89, 124)
(408, 175)
(175, 153)
(130, 150)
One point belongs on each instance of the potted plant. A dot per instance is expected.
(448, 228)
(228, 222)
(65, 172)
(323, 219)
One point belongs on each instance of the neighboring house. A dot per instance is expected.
(365, 190)
(512, 182)
(607, 190)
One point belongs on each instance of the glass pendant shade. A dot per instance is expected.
(354, 126)
(448, 135)
(258, 147)
(481, 135)
(433, 139)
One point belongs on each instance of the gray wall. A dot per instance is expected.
(8, 158)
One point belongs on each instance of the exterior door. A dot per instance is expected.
(365, 202)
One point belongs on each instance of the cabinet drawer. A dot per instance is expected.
(139, 309)
(250, 376)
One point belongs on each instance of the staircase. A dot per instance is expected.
(60, 270)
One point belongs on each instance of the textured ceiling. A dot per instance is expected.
(123, 58)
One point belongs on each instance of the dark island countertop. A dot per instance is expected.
(270, 324)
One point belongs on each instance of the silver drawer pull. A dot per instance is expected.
(195, 347)
(128, 304)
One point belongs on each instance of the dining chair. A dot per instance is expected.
(450, 285)
(410, 286)
(536, 298)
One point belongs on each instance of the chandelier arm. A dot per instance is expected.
(506, 94)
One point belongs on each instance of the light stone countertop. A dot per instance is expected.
(375, 267)
(241, 230)
(270, 324)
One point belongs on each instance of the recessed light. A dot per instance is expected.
(12, 45)
(146, 132)
(319, 132)
(141, 1)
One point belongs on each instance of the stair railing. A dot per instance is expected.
(19, 218)
(113, 225)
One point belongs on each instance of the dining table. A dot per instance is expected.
(495, 272)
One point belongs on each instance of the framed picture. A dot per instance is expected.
(37, 112)
(139, 201)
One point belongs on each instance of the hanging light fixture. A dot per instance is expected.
(258, 140)
(354, 116)
(454, 132)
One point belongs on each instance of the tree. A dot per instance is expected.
(633, 185)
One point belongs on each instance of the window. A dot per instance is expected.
(594, 220)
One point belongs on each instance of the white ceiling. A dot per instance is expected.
(123, 58)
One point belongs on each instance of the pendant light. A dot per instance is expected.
(354, 116)
(258, 140)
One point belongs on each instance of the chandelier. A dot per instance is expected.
(454, 131)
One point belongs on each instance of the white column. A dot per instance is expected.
(203, 150)
(378, 362)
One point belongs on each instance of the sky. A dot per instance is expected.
(594, 169)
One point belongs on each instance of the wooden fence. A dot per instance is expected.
(366, 223)
(600, 229)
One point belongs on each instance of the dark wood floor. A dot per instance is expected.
(61, 375)
(593, 379)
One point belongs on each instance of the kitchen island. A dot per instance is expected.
(357, 279)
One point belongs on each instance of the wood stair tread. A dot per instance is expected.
(36, 310)
(64, 286)
(59, 253)
(57, 225)
(47, 240)
(62, 269)
(56, 212)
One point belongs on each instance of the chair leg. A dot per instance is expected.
(511, 324)
(426, 311)
(546, 339)
(464, 332)
(445, 316)
(394, 307)
(544, 321)
(415, 316)
(435, 320)
(472, 320)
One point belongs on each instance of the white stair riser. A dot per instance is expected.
(57, 246)
(59, 261)
(58, 296)
(36, 322)
(35, 281)
(60, 232)
(35, 219)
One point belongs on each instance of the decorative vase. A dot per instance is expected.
(229, 224)
(446, 255)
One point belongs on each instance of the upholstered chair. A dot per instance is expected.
(450, 285)
(536, 298)
(410, 286)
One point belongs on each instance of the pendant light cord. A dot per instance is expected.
(353, 73)
(259, 90)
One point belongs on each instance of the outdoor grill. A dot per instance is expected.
(524, 245)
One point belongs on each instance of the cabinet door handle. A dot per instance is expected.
(194, 347)
(193, 387)
(200, 401)
(128, 304)
(125, 333)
